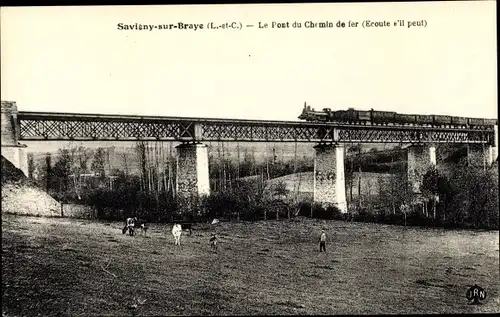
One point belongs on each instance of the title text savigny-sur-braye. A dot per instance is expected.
(266, 25)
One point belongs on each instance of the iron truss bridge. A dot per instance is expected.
(93, 127)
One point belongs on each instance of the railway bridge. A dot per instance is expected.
(192, 155)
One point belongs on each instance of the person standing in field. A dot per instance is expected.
(322, 241)
(213, 242)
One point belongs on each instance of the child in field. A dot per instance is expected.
(322, 241)
(213, 242)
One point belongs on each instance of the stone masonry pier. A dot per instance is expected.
(192, 175)
(329, 176)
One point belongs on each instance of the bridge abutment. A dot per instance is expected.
(329, 176)
(12, 150)
(420, 159)
(192, 180)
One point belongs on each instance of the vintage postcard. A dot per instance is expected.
(272, 159)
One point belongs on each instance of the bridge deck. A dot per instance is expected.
(90, 127)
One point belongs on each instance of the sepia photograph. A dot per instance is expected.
(250, 159)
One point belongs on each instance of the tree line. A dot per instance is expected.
(144, 181)
(144, 184)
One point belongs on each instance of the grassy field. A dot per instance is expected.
(54, 266)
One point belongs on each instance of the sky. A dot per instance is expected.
(74, 59)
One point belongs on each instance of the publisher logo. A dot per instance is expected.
(475, 294)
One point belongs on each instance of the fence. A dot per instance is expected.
(78, 211)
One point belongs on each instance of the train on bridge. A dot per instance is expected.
(374, 117)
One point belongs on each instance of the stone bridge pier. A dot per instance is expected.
(421, 158)
(192, 180)
(12, 150)
(329, 176)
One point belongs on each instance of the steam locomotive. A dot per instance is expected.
(352, 116)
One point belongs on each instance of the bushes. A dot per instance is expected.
(117, 205)
(248, 201)
(364, 215)
(418, 218)
(306, 209)
(225, 205)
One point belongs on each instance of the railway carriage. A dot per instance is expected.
(490, 122)
(475, 121)
(362, 116)
(350, 115)
(441, 120)
(383, 117)
(424, 120)
(344, 116)
(404, 119)
(460, 121)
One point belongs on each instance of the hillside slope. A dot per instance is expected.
(304, 182)
(20, 197)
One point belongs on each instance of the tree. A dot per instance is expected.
(99, 162)
(395, 190)
(247, 166)
(141, 158)
(125, 161)
(84, 156)
(279, 193)
(434, 187)
(48, 171)
(62, 172)
(353, 151)
(31, 165)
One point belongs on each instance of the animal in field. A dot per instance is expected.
(142, 224)
(133, 223)
(187, 226)
(177, 232)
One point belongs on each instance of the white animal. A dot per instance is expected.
(176, 232)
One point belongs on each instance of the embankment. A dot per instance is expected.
(20, 197)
